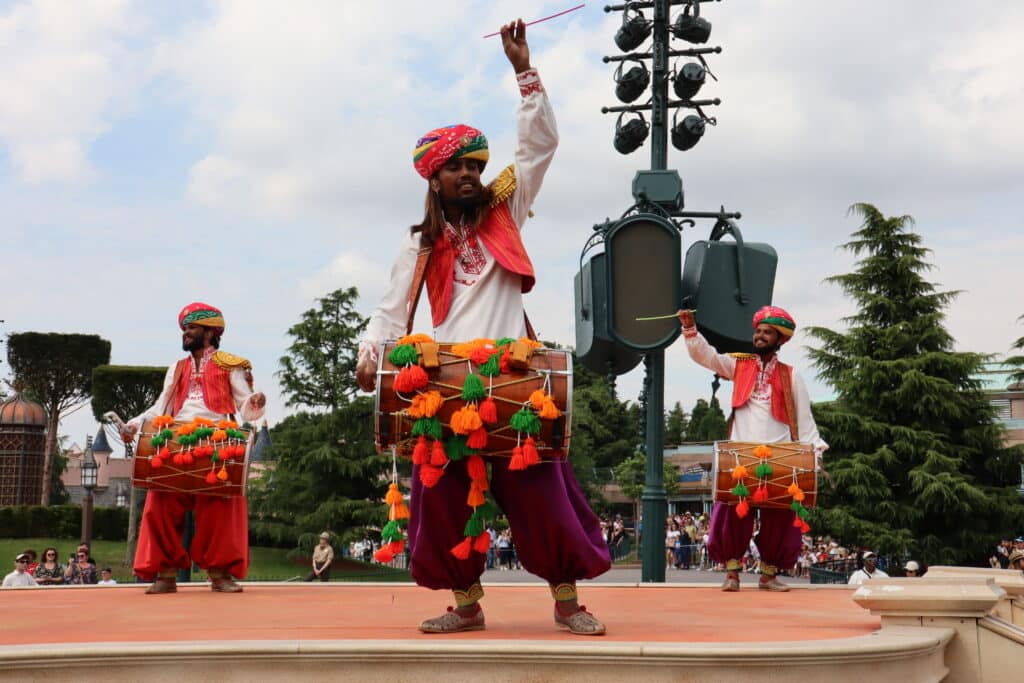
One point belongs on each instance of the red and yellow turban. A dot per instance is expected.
(201, 314)
(434, 149)
(777, 318)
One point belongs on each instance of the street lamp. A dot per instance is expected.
(89, 472)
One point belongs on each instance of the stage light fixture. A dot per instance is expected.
(629, 136)
(689, 80)
(692, 28)
(634, 30)
(631, 85)
(687, 132)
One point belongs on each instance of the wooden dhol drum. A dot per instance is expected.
(178, 475)
(790, 462)
(549, 369)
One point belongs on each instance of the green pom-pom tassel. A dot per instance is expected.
(391, 532)
(204, 432)
(474, 525)
(525, 420)
(802, 512)
(455, 447)
(492, 368)
(473, 388)
(402, 355)
(215, 457)
(488, 510)
(740, 490)
(795, 506)
(427, 426)
(763, 471)
(167, 434)
(157, 441)
(503, 341)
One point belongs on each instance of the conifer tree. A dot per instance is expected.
(675, 425)
(919, 463)
(1017, 362)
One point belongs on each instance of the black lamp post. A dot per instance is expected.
(89, 472)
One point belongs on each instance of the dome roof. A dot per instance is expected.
(18, 410)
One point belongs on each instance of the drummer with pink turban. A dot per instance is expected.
(770, 404)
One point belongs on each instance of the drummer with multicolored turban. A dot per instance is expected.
(212, 384)
(770, 404)
(469, 254)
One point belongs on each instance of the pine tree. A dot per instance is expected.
(700, 409)
(1017, 362)
(675, 425)
(919, 463)
(713, 426)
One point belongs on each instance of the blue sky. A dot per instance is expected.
(256, 155)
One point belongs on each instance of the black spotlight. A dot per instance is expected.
(629, 136)
(634, 30)
(692, 28)
(631, 85)
(689, 80)
(687, 132)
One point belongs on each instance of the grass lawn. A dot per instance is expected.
(265, 564)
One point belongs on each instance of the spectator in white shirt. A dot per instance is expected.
(19, 577)
(870, 570)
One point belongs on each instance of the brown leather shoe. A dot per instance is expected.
(453, 622)
(732, 582)
(581, 622)
(163, 584)
(222, 582)
(772, 584)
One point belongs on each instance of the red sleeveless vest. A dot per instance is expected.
(500, 235)
(215, 383)
(781, 381)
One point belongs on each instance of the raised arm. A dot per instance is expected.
(722, 364)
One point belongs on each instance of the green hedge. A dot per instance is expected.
(62, 521)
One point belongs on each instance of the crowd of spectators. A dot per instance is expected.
(48, 570)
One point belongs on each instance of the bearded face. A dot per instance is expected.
(766, 340)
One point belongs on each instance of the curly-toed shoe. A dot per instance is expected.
(580, 622)
(225, 584)
(453, 622)
(731, 583)
(772, 584)
(163, 585)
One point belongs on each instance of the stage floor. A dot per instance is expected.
(651, 613)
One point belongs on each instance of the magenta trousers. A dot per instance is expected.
(556, 534)
(778, 540)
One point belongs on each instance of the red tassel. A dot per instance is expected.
(157, 462)
(530, 454)
(482, 543)
(397, 547)
(429, 476)
(461, 551)
(517, 460)
(481, 355)
(187, 458)
(503, 362)
(384, 555)
(438, 458)
(804, 527)
(420, 454)
(410, 378)
(797, 521)
(761, 494)
(211, 477)
(743, 508)
(488, 411)
(476, 496)
(476, 468)
(477, 438)
(178, 460)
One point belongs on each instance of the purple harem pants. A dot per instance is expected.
(778, 541)
(556, 534)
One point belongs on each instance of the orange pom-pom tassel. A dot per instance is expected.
(488, 411)
(739, 472)
(461, 551)
(517, 463)
(475, 497)
(471, 419)
(384, 555)
(742, 508)
(548, 409)
(762, 452)
(793, 489)
(219, 435)
(799, 496)
(477, 438)
(438, 458)
(393, 496)
(223, 474)
(482, 543)
(429, 476)
(537, 399)
(420, 454)
(399, 511)
(530, 454)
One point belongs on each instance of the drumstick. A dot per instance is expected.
(537, 21)
(666, 317)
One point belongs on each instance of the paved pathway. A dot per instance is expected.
(632, 575)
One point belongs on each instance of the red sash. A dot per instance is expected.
(781, 382)
(500, 235)
(215, 383)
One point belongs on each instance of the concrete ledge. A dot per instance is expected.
(1011, 581)
(955, 596)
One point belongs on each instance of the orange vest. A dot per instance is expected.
(215, 383)
(781, 381)
(500, 234)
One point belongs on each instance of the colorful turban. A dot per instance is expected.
(434, 149)
(777, 318)
(201, 314)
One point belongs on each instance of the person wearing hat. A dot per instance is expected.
(20, 576)
(469, 253)
(770, 404)
(323, 555)
(1017, 560)
(912, 569)
(211, 384)
(870, 569)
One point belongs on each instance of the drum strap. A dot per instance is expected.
(179, 370)
(416, 289)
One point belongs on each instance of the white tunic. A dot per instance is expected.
(487, 300)
(754, 421)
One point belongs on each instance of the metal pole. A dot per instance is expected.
(87, 518)
(659, 87)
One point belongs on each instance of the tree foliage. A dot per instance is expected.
(918, 460)
(319, 369)
(707, 422)
(675, 425)
(55, 370)
(128, 390)
(632, 474)
(1017, 362)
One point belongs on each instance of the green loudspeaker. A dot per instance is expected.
(594, 347)
(727, 282)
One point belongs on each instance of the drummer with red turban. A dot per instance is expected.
(212, 384)
(770, 404)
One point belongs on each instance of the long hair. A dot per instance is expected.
(432, 226)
